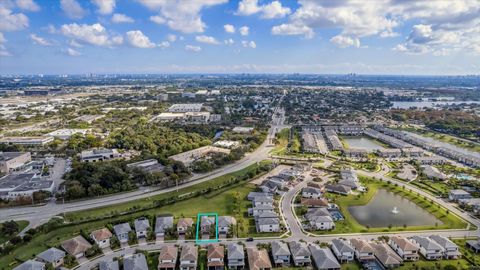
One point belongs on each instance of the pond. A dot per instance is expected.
(379, 212)
(361, 142)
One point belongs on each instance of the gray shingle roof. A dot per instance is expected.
(30, 265)
(323, 258)
(163, 223)
(443, 241)
(51, 255)
(141, 224)
(280, 249)
(235, 251)
(427, 243)
(113, 265)
(135, 262)
(342, 246)
(122, 228)
(299, 249)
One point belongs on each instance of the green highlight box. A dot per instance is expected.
(199, 218)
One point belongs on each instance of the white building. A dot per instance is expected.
(96, 155)
(185, 107)
(67, 133)
(13, 161)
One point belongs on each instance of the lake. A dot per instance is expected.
(428, 104)
(360, 142)
(378, 212)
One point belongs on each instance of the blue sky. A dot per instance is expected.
(209, 36)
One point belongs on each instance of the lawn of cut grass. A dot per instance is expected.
(351, 266)
(222, 201)
(435, 265)
(350, 224)
(21, 225)
(432, 187)
(148, 202)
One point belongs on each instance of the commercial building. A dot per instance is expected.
(188, 157)
(185, 107)
(30, 141)
(97, 155)
(67, 133)
(14, 161)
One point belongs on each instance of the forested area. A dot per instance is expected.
(455, 122)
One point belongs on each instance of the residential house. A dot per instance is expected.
(188, 257)
(280, 253)
(31, 265)
(101, 237)
(390, 153)
(323, 258)
(430, 249)
(162, 224)
(450, 249)
(386, 256)
(111, 265)
(142, 225)
(311, 193)
(167, 259)
(363, 250)
(339, 189)
(135, 262)
(404, 248)
(254, 211)
(267, 224)
(225, 223)
(458, 194)
(121, 231)
(257, 201)
(300, 253)
(258, 259)
(215, 257)
(343, 250)
(319, 219)
(183, 225)
(76, 246)
(236, 256)
(322, 202)
(252, 195)
(52, 255)
(206, 224)
(473, 245)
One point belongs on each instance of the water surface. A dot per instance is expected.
(361, 142)
(378, 212)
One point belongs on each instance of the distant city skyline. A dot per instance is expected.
(384, 37)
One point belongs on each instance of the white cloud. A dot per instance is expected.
(244, 30)
(164, 44)
(229, 28)
(121, 18)
(192, 48)
(75, 44)
(40, 40)
(292, 29)
(181, 15)
(105, 7)
(3, 49)
(138, 39)
(229, 41)
(249, 44)
(72, 9)
(72, 52)
(12, 21)
(207, 40)
(269, 11)
(157, 19)
(344, 42)
(453, 22)
(28, 5)
(94, 34)
(171, 37)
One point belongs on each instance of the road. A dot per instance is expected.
(38, 215)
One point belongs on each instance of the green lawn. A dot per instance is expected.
(468, 254)
(434, 265)
(351, 266)
(350, 225)
(21, 225)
